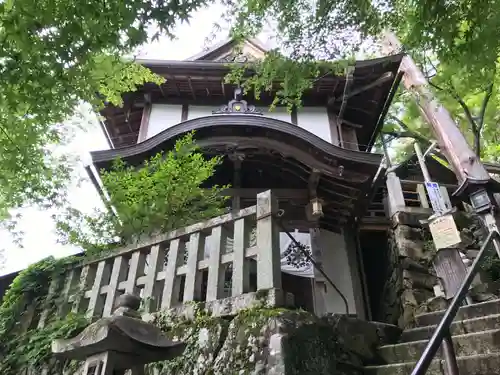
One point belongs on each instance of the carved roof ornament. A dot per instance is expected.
(237, 57)
(237, 106)
(120, 342)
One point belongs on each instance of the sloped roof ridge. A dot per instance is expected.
(225, 43)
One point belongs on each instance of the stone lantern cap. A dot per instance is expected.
(123, 333)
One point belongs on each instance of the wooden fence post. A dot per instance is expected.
(268, 244)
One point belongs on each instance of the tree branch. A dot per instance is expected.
(487, 97)
(407, 131)
(466, 109)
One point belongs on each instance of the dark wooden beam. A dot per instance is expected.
(293, 116)
(143, 129)
(352, 124)
(190, 83)
(245, 193)
(185, 112)
(313, 182)
(161, 90)
(387, 76)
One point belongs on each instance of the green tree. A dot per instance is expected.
(165, 193)
(473, 105)
(459, 35)
(54, 54)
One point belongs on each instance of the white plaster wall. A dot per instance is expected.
(196, 111)
(336, 264)
(278, 113)
(163, 116)
(315, 120)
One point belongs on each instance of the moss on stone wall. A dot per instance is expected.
(269, 341)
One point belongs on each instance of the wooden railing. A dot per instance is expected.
(410, 196)
(196, 263)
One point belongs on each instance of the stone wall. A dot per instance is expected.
(275, 342)
(410, 275)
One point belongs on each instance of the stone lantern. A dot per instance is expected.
(118, 343)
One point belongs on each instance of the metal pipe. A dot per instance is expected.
(386, 152)
(421, 162)
(449, 355)
(444, 326)
(430, 149)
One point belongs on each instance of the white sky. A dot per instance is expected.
(40, 240)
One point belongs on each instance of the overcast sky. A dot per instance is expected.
(40, 240)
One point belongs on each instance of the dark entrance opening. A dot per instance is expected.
(374, 249)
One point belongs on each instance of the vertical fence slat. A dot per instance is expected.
(117, 273)
(170, 274)
(45, 313)
(215, 284)
(241, 273)
(84, 278)
(268, 255)
(95, 300)
(137, 262)
(65, 293)
(422, 196)
(155, 265)
(192, 285)
(446, 197)
(27, 316)
(395, 197)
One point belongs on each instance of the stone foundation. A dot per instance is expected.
(410, 275)
(275, 342)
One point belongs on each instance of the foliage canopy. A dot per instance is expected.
(166, 193)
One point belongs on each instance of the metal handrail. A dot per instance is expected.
(442, 333)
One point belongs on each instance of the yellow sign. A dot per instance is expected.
(444, 232)
(237, 107)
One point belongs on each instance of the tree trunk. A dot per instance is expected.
(477, 144)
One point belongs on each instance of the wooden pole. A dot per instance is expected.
(469, 170)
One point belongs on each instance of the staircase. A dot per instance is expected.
(476, 339)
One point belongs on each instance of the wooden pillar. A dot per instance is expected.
(268, 243)
(236, 158)
(395, 197)
(349, 138)
(454, 146)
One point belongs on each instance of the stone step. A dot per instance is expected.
(460, 327)
(486, 342)
(484, 364)
(467, 312)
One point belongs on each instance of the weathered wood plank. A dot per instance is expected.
(268, 257)
(184, 232)
(156, 259)
(137, 262)
(192, 286)
(170, 275)
(54, 284)
(96, 302)
(87, 275)
(241, 273)
(450, 269)
(118, 273)
(396, 199)
(215, 282)
(422, 196)
(64, 305)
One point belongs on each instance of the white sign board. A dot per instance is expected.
(436, 197)
(444, 232)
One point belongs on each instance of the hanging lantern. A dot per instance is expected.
(315, 208)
